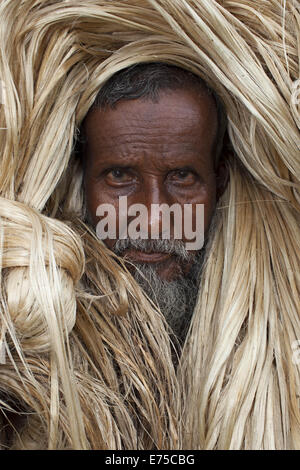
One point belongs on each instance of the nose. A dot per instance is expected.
(156, 199)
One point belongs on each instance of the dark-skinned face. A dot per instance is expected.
(153, 153)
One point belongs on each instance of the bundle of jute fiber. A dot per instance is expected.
(86, 359)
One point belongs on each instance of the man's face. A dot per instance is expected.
(153, 153)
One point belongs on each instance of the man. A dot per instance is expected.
(87, 361)
(155, 135)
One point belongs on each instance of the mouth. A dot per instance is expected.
(142, 257)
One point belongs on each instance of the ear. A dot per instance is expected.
(222, 178)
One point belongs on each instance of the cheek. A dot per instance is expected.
(94, 197)
(209, 208)
(92, 200)
(207, 197)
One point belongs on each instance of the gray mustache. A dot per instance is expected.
(176, 247)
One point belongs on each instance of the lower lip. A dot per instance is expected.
(140, 256)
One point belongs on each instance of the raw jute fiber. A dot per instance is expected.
(86, 359)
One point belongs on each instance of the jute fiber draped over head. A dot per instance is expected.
(86, 360)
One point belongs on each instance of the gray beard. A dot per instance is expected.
(176, 299)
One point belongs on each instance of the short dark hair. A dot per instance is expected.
(147, 80)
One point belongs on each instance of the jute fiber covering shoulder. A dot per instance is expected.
(86, 359)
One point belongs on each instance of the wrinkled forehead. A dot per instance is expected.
(179, 117)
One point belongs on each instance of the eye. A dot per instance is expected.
(117, 173)
(183, 176)
(118, 176)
